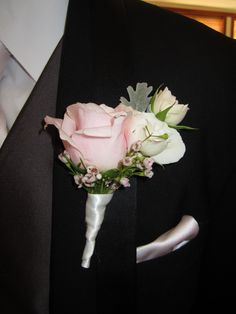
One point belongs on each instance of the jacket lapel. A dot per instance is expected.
(26, 197)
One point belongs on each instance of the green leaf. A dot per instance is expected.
(154, 97)
(182, 127)
(128, 172)
(162, 114)
(112, 173)
(81, 163)
(152, 101)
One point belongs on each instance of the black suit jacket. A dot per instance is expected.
(107, 46)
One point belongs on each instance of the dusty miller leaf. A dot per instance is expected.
(138, 99)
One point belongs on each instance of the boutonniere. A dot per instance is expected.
(105, 147)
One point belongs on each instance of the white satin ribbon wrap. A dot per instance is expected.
(169, 241)
(94, 215)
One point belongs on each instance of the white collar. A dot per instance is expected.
(31, 29)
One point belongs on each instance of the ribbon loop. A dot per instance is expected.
(169, 241)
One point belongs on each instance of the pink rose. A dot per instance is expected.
(93, 133)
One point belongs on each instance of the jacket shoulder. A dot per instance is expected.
(153, 19)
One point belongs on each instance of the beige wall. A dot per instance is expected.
(212, 5)
(217, 14)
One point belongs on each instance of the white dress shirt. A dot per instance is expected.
(29, 32)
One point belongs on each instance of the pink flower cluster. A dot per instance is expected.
(90, 178)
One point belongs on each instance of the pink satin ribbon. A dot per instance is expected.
(186, 230)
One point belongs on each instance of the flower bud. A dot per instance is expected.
(125, 182)
(163, 100)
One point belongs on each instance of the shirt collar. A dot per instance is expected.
(31, 29)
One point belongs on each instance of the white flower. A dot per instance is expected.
(99, 176)
(92, 169)
(162, 143)
(165, 99)
(125, 182)
(127, 161)
(78, 180)
(149, 173)
(174, 151)
(88, 179)
(155, 140)
(148, 162)
(136, 146)
(64, 157)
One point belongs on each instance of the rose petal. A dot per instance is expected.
(174, 151)
(53, 121)
(105, 131)
(176, 114)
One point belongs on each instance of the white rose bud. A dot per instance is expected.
(153, 147)
(62, 158)
(165, 99)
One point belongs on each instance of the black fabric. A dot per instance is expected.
(198, 66)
